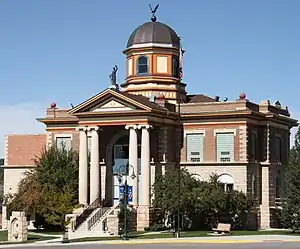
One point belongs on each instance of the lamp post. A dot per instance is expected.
(124, 171)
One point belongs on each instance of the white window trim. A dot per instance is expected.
(194, 131)
(63, 135)
(217, 131)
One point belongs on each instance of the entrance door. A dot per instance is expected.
(121, 157)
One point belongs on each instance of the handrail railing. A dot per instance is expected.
(86, 212)
(93, 220)
(101, 215)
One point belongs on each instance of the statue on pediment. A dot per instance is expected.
(113, 76)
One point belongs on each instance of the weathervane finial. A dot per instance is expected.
(153, 11)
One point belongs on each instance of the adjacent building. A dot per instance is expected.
(246, 144)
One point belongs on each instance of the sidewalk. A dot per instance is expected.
(190, 240)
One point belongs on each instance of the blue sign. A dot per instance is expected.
(129, 193)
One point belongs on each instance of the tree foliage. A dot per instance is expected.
(290, 214)
(50, 190)
(203, 202)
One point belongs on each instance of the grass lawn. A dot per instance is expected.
(31, 238)
(140, 235)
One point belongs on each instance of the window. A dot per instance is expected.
(225, 147)
(175, 65)
(226, 182)
(63, 142)
(194, 147)
(142, 65)
(253, 146)
(278, 144)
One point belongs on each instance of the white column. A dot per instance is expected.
(133, 161)
(144, 204)
(95, 165)
(83, 166)
(145, 165)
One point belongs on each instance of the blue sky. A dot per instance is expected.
(64, 50)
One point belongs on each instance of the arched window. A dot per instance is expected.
(175, 65)
(142, 65)
(226, 182)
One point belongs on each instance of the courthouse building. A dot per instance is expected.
(246, 144)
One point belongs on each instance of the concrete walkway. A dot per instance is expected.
(189, 240)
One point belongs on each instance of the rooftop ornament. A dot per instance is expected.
(153, 11)
(53, 105)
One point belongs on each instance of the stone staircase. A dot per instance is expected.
(94, 220)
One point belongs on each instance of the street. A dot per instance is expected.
(271, 245)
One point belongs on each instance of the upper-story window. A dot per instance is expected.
(175, 66)
(225, 147)
(278, 145)
(142, 65)
(194, 147)
(63, 142)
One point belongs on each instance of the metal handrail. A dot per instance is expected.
(94, 219)
(100, 215)
(86, 212)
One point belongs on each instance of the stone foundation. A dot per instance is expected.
(142, 218)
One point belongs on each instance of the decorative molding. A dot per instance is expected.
(94, 128)
(214, 123)
(131, 126)
(151, 44)
(243, 142)
(63, 135)
(49, 139)
(224, 131)
(146, 126)
(81, 128)
(193, 131)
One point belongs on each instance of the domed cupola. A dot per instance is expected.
(155, 33)
(152, 56)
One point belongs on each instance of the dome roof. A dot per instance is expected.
(153, 32)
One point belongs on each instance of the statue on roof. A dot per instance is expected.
(153, 11)
(113, 76)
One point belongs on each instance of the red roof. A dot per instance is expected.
(22, 149)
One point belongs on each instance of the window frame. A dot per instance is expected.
(225, 159)
(175, 67)
(66, 136)
(138, 65)
(200, 157)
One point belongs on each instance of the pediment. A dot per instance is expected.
(109, 101)
(112, 105)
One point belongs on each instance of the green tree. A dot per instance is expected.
(50, 190)
(203, 202)
(290, 214)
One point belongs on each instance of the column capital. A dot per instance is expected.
(81, 128)
(127, 127)
(146, 126)
(94, 128)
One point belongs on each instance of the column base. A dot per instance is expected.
(142, 218)
(265, 219)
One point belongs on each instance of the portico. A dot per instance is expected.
(94, 174)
